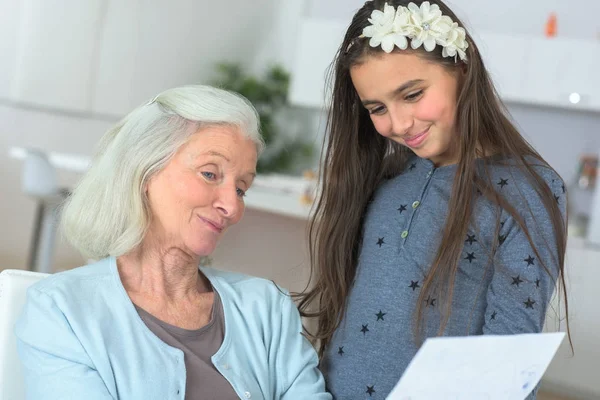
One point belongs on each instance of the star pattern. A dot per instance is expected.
(502, 183)
(517, 280)
(493, 317)
(365, 329)
(530, 260)
(470, 257)
(529, 303)
(430, 301)
(563, 187)
(370, 390)
(537, 283)
(341, 350)
(380, 242)
(380, 315)
(402, 208)
(471, 239)
(414, 285)
(557, 198)
(412, 166)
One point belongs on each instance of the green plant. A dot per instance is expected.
(269, 96)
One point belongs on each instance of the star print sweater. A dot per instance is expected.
(401, 234)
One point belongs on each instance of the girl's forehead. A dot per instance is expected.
(376, 74)
(397, 64)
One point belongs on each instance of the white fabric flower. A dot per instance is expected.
(387, 30)
(456, 43)
(424, 25)
(431, 27)
(403, 29)
(381, 28)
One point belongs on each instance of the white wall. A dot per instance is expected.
(578, 374)
(277, 47)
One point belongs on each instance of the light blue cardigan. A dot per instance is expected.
(80, 337)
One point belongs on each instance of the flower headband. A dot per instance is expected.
(425, 25)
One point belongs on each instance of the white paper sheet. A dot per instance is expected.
(477, 367)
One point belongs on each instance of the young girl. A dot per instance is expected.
(436, 216)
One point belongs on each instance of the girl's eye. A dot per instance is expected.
(209, 175)
(414, 96)
(240, 192)
(377, 111)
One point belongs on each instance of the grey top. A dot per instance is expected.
(203, 381)
(401, 234)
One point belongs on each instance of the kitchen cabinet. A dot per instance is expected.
(55, 54)
(552, 72)
(104, 57)
(547, 72)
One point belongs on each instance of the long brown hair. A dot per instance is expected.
(356, 159)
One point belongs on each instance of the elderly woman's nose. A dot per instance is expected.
(227, 200)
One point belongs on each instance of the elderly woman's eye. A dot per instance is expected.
(209, 175)
(240, 192)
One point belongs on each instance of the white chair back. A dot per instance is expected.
(13, 287)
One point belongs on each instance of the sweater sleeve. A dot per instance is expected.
(295, 363)
(55, 364)
(523, 282)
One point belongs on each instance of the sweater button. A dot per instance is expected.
(248, 395)
(404, 234)
(416, 204)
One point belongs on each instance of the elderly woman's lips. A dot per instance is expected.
(212, 224)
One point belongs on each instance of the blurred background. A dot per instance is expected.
(69, 69)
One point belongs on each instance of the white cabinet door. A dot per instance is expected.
(10, 12)
(316, 45)
(505, 57)
(593, 72)
(112, 92)
(564, 72)
(57, 41)
(152, 45)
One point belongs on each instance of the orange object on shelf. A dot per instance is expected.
(551, 26)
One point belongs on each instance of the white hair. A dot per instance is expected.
(107, 213)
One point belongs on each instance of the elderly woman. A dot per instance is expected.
(146, 322)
